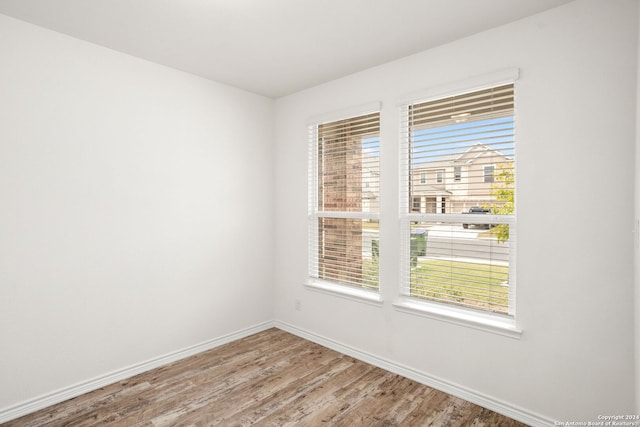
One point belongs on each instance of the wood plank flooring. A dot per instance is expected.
(268, 379)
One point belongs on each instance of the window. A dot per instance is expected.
(457, 173)
(417, 202)
(423, 178)
(488, 173)
(468, 258)
(344, 177)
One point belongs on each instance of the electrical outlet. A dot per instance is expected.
(298, 304)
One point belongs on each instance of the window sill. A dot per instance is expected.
(496, 324)
(348, 292)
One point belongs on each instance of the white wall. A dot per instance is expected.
(135, 211)
(575, 144)
(637, 238)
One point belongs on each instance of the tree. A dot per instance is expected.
(504, 192)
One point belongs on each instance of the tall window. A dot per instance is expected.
(344, 200)
(461, 256)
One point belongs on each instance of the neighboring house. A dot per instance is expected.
(455, 182)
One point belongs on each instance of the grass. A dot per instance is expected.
(370, 273)
(463, 283)
(481, 286)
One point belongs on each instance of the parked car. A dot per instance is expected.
(478, 211)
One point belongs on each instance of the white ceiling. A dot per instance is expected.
(271, 47)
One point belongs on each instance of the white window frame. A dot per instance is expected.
(505, 325)
(313, 282)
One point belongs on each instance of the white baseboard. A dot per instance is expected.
(457, 390)
(497, 405)
(43, 401)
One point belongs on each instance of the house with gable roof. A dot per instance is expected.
(453, 183)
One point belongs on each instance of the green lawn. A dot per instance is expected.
(465, 283)
(370, 273)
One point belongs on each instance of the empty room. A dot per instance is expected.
(307, 213)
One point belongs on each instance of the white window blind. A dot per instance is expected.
(344, 200)
(458, 230)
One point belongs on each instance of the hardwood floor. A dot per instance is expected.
(268, 379)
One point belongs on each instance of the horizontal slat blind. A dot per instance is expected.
(487, 103)
(458, 175)
(346, 251)
(452, 265)
(344, 200)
